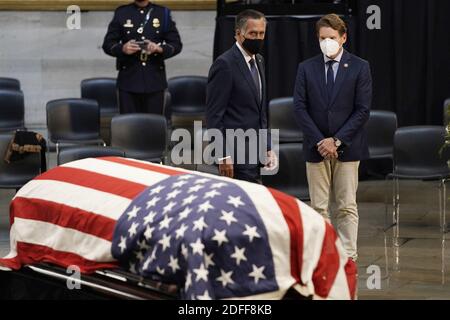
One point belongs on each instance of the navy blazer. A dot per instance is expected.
(344, 116)
(231, 99)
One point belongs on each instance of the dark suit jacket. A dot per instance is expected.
(134, 75)
(343, 117)
(231, 99)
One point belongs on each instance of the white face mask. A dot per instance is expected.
(329, 47)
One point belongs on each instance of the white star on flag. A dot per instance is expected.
(220, 236)
(156, 190)
(173, 264)
(149, 217)
(197, 247)
(208, 259)
(148, 232)
(218, 185)
(202, 273)
(143, 245)
(139, 256)
(188, 281)
(153, 202)
(123, 244)
(205, 206)
(173, 194)
(133, 229)
(165, 223)
(184, 214)
(169, 207)
(180, 231)
(189, 199)
(239, 255)
(228, 217)
(195, 188)
(161, 271)
(179, 184)
(199, 224)
(211, 194)
(165, 242)
(133, 213)
(225, 278)
(235, 201)
(184, 251)
(204, 296)
(257, 273)
(251, 232)
(203, 180)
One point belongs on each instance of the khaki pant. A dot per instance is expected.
(341, 178)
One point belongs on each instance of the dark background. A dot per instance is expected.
(409, 56)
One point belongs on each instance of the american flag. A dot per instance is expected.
(215, 237)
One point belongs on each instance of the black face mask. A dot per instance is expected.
(254, 46)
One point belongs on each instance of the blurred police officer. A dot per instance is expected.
(141, 36)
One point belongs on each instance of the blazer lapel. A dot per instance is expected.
(262, 74)
(341, 75)
(245, 71)
(320, 76)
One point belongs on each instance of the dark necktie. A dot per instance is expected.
(255, 77)
(330, 78)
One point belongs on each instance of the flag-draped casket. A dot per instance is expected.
(212, 236)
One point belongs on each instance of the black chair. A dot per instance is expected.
(188, 95)
(141, 136)
(282, 117)
(418, 155)
(291, 176)
(77, 153)
(73, 121)
(102, 90)
(380, 129)
(9, 84)
(17, 173)
(12, 110)
(446, 111)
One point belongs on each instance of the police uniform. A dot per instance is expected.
(142, 77)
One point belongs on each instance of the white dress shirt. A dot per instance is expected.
(335, 65)
(247, 58)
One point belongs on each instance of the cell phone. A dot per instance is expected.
(142, 44)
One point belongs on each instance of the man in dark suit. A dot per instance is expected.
(236, 99)
(141, 36)
(332, 99)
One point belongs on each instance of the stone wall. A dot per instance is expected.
(50, 60)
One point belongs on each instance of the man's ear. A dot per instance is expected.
(344, 38)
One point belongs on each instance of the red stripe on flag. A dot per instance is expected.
(93, 180)
(63, 216)
(32, 253)
(146, 166)
(291, 213)
(328, 265)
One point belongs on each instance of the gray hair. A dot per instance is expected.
(244, 16)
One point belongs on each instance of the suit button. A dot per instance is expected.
(144, 64)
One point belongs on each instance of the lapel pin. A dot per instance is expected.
(346, 65)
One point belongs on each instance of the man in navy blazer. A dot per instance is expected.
(236, 100)
(332, 99)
